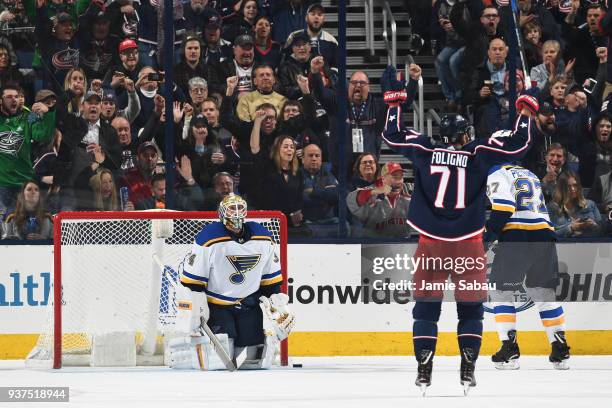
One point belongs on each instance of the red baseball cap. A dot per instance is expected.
(127, 44)
(390, 168)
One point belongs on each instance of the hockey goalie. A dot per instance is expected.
(230, 286)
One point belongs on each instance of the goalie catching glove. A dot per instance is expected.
(278, 321)
(529, 102)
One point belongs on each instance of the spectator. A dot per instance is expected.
(204, 152)
(533, 11)
(109, 104)
(138, 179)
(556, 93)
(87, 142)
(287, 17)
(486, 87)
(71, 100)
(282, 184)
(297, 121)
(321, 41)
(30, 220)
(594, 151)
(128, 148)
(601, 193)
(97, 48)
(532, 35)
(448, 61)
(475, 33)
(382, 208)
(191, 64)
(130, 67)
(9, 73)
(571, 214)
(216, 49)
(365, 171)
(264, 81)
(296, 64)
(101, 191)
(210, 110)
(197, 14)
(198, 92)
(265, 129)
(240, 66)
(552, 66)
(320, 189)
(583, 39)
(56, 44)
(543, 135)
(244, 22)
(555, 165)
(16, 136)
(223, 185)
(366, 114)
(267, 52)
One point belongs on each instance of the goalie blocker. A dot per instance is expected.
(231, 268)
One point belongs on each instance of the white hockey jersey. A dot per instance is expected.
(517, 190)
(230, 270)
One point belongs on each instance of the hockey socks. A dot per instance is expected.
(424, 336)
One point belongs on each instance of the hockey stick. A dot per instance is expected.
(204, 329)
(514, 11)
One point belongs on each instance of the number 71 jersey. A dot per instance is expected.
(449, 198)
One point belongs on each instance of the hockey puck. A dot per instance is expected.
(297, 366)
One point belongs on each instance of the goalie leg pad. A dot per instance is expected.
(260, 356)
(197, 353)
(190, 307)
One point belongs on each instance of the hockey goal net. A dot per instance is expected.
(114, 283)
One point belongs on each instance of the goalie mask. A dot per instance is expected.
(233, 211)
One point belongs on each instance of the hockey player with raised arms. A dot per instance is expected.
(448, 209)
(231, 279)
(519, 221)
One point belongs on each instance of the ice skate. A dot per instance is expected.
(423, 379)
(560, 352)
(468, 364)
(507, 358)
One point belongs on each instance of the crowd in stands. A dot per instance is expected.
(82, 121)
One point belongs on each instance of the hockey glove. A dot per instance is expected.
(395, 98)
(278, 320)
(389, 81)
(528, 102)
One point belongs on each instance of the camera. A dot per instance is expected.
(155, 77)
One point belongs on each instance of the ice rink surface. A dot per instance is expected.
(339, 382)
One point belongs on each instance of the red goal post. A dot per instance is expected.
(97, 224)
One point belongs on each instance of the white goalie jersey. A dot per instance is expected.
(231, 270)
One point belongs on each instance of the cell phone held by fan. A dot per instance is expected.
(155, 77)
(589, 85)
(124, 197)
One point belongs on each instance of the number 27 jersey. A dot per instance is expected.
(449, 198)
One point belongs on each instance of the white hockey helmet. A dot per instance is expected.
(233, 211)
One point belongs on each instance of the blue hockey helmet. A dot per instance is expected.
(453, 126)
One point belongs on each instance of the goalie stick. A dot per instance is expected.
(204, 329)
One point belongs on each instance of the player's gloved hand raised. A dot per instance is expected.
(527, 102)
(389, 80)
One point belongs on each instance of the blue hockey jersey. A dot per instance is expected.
(449, 198)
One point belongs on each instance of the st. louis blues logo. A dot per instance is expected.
(242, 264)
